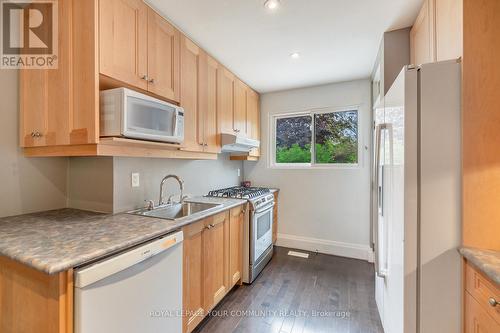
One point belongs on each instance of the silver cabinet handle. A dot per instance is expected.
(493, 302)
(210, 226)
(151, 81)
(145, 77)
(36, 134)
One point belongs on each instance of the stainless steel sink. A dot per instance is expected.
(177, 210)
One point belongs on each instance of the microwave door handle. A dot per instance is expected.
(175, 122)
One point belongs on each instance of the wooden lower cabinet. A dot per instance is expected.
(477, 320)
(212, 263)
(275, 217)
(34, 302)
(193, 278)
(216, 259)
(236, 223)
(480, 315)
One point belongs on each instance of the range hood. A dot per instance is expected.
(234, 143)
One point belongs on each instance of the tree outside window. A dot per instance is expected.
(331, 137)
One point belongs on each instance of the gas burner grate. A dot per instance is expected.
(239, 192)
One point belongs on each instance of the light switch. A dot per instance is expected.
(239, 172)
(135, 179)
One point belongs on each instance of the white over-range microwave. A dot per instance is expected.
(130, 114)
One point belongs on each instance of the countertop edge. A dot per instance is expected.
(52, 269)
(486, 261)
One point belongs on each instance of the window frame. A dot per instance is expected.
(313, 165)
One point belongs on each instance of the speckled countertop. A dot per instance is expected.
(57, 240)
(487, 261)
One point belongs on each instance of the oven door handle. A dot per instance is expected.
(263, 209)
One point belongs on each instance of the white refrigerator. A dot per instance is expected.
(417, 186)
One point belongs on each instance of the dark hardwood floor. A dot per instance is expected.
(294, 295)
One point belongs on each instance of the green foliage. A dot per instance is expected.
(336, 138)
(294, 154)
(345, 151)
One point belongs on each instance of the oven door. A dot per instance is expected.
(261, 232)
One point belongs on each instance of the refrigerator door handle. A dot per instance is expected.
(379, 183)
(378, 139)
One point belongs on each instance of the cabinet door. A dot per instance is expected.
(253, 119)
(193, 280)
(236, 220)
(123, 41)
(240, 107)
(216, 259)
(56, 106)
(422, 35)
(449, 29)
(163, 57)
(225, 87)
(208, 102)
(477, 319)
(190, 80)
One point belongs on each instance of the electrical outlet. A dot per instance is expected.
(239, 172)
(135, 179)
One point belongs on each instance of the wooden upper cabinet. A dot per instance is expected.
(236, 219)
(240, 107)
(449, 29)
(139, 47)
(190, 81)
(208, 102)
(163, 57)
(225, 89)
(253, 119)
(123, 41)
(198, 98)
(61, 106)
(216, 259)
(422, 35)
(437, 34)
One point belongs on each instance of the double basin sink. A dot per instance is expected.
(177, 211)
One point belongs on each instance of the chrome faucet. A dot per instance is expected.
(181, 186)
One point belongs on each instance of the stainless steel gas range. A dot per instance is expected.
(257, 234)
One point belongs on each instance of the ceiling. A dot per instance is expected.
(337, 40)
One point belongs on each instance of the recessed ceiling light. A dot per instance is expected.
(295, 55)
(272, 4)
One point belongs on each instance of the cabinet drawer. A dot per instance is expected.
(477, 319)
(482, 289)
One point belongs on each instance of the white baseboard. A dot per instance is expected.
(325, 246)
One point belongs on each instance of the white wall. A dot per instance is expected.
(199, 178)
(104, 184)
(327, 209)
(26, 184)
(90, 183)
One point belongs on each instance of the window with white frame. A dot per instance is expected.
(315, 138)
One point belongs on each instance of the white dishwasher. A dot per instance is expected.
(139, 290)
